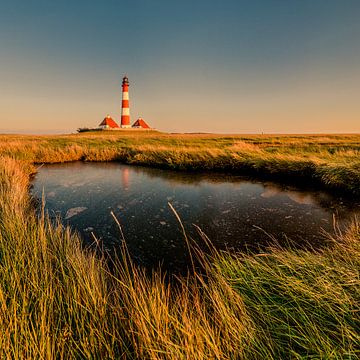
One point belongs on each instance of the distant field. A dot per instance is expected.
(331, 161)
(61, 301)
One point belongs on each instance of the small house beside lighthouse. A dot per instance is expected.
(108, 123)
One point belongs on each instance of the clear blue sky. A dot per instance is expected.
(202, 65)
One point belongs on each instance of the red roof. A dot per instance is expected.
(141, 123)
(108, 121)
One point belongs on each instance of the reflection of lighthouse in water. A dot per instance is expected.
(125, 175)
(125, 108)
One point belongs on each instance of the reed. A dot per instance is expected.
(328, 161)
(59, 300)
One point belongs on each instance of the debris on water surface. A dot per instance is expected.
(74, 211)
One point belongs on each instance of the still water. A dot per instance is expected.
(235, 213)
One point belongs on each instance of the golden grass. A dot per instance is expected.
(59, 300)
(329, 161)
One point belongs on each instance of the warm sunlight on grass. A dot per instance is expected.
(331, 161)
(59, 300)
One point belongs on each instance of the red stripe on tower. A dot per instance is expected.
(125, 107)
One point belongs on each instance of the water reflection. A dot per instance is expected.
(234, 212)
(300, 198)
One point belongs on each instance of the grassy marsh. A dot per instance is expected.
(58, 300)
(330, 161)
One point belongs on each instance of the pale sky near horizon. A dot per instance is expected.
(231, 66)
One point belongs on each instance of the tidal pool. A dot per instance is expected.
(234, 212)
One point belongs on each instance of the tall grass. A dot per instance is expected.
(304, 304)
(58, 300)
(329, 161)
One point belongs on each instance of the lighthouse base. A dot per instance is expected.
(125, 126)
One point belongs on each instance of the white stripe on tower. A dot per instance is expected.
(125, 111)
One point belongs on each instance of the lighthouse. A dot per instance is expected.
(125, 109)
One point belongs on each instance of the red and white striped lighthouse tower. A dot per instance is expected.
(125, 108)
